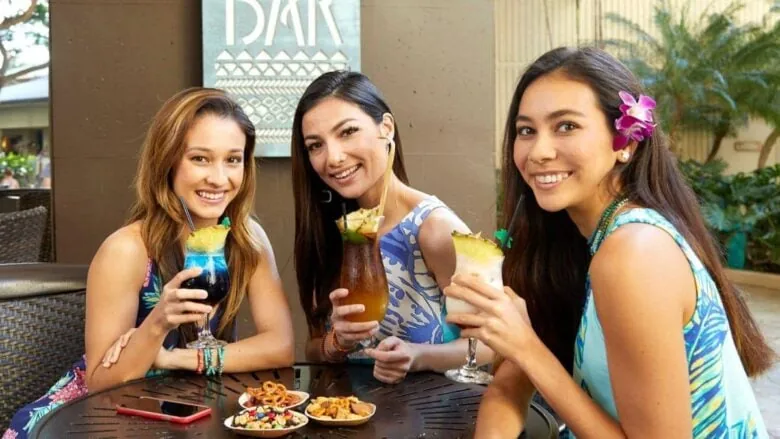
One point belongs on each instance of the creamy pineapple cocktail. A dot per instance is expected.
(362, 271)
(475, 256)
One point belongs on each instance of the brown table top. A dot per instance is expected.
(424, 405)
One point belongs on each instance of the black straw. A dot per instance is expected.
(187, 213)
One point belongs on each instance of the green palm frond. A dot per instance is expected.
(643, 36)
(707, 72)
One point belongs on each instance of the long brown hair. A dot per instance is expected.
(159, 211)
(548, 264)
(317, 239)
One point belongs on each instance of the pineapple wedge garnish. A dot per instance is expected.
(475, 256)
(361, 224)
(476, 248)
(208, 239)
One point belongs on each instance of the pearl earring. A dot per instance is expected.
(624, 156)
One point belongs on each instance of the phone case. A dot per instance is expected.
(160, 417)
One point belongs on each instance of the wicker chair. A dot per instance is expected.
(41, 329)
(21, 235)
(24, 199)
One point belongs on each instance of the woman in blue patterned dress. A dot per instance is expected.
(340, 144)
(138, 318)
(624, 319)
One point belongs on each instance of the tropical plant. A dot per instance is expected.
(744, 204)
(708, 73)
(23, 166)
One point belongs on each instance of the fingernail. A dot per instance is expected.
(106, 364)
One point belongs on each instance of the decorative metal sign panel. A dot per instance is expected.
(265, 53)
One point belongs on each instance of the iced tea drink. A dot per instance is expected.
(362, 270)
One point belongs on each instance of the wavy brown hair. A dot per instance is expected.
(548, 264)
(317, 239)
(159, 210)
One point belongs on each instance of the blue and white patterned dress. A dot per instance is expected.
(415, 312)
(722, 400)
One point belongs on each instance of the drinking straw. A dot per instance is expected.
(388, 172)
(187, 213)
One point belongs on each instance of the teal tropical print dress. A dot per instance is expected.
(73, 383)
(722, 400)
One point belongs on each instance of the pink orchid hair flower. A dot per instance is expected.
(636, 123)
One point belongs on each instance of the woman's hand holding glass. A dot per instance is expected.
(178, 306)
(349, 334)
(502, 321)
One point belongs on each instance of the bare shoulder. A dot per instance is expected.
(640, 266)
(125, 243)
(259, 237)
(121, 259)
(436, 230)
(263, 245)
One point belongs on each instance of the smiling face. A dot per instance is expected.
(345, 147)
(563, 147)
(211, 170)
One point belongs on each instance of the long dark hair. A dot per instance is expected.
(548, 264)
(317, 239)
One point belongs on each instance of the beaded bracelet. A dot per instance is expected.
(199, 369)
(341, 352)
(208, 361)
(221, 358)
(339, 347)
(323, 352)
(214, 362)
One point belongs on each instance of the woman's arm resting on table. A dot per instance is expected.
(442, 357)
(394, 357)
(641, 307)
(504, 405)
(439, 254)
(273, 345)
(115, 276)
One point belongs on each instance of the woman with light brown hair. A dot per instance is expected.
(199, 149)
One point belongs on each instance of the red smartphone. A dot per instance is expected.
(164, 410)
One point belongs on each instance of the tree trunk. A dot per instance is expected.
(766, 148)
(674, 126)
(716, 142)
(7, 23)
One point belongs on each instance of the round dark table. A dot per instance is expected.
(425, 405)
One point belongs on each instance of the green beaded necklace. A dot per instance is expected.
(604, 222)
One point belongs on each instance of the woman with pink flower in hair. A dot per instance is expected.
(617, 309)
